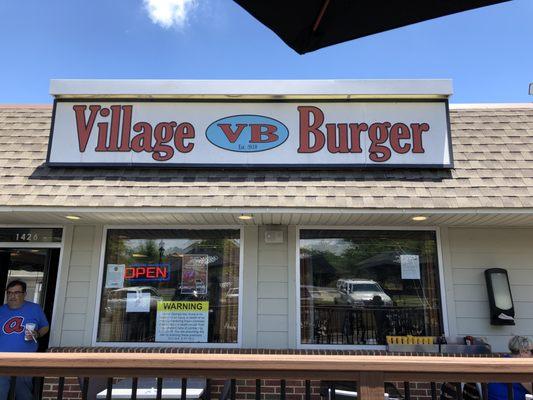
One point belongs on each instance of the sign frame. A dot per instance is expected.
(170, 165)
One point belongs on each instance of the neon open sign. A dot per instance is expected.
(147, 272)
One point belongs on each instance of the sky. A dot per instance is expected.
(487, 52)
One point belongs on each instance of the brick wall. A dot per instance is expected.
(270, 389)
(71, 389)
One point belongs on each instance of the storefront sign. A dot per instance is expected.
(147, 272)
(182, 321)
(244, 134)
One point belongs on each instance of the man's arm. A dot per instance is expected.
(43, 331)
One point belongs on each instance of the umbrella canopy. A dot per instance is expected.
(308, 25)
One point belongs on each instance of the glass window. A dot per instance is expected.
(357, 287)
(168, 285)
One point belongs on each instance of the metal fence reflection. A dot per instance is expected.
(365, 325)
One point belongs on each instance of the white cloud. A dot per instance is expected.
(168, 13)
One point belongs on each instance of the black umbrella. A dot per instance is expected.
(308, 25)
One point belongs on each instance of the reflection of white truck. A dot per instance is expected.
(363, 290)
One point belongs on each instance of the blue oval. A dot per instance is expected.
(247, 133)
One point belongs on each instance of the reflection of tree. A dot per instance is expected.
(116, 250)
(359, 255)
(150, 251)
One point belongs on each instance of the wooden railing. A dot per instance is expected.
(370, 372)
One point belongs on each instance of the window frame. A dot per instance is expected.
(101, 265)
(442, 286)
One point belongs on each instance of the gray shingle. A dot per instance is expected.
(493, 152)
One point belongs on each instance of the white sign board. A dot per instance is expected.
(410, 265)
(242, 134)
(182, 321)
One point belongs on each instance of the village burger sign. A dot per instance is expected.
(250, 134)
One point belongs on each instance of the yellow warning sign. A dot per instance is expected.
(183, 306)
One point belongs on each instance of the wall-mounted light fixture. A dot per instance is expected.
(500, 297)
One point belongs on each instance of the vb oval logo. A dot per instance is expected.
(247, 133)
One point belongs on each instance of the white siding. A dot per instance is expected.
(249, 291)
(77, 287)
(471, 251)
(272, 291)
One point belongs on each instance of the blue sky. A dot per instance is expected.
(487, 52)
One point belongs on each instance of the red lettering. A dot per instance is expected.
(259, 131)
(231, 135)
(142, 141)
(102, 131)
(13, 325)
(126, 128)
(147, 272)
(115, 123)
(163, 133)
(378, 134)
(418, 130)
(306, 129)
(129, 273)
(355, 133)
(399, 132)
(184, 131)
(151, 272)
(342, 145)
(83, 126)
(162, 272)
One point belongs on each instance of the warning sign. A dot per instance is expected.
(182, 321)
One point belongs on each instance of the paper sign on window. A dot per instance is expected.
(410, 264)
(115, 276)
(182, 321)
(138, 302)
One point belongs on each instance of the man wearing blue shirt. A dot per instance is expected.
(21, 324)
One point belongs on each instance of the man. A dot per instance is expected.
(21, 324)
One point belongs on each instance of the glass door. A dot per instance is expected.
(36, 267)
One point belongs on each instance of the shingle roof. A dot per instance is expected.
(492, 147)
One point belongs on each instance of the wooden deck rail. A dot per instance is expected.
(370, 371)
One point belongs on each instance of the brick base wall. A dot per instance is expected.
(270, 389)
(71, 389)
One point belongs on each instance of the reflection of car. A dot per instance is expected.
(363, 290)
(319, 295)
(117, 298)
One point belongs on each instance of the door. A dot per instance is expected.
(34, 264)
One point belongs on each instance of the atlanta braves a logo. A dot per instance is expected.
(13, 325)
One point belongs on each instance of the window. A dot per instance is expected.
(171, 286)
(357, 287)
